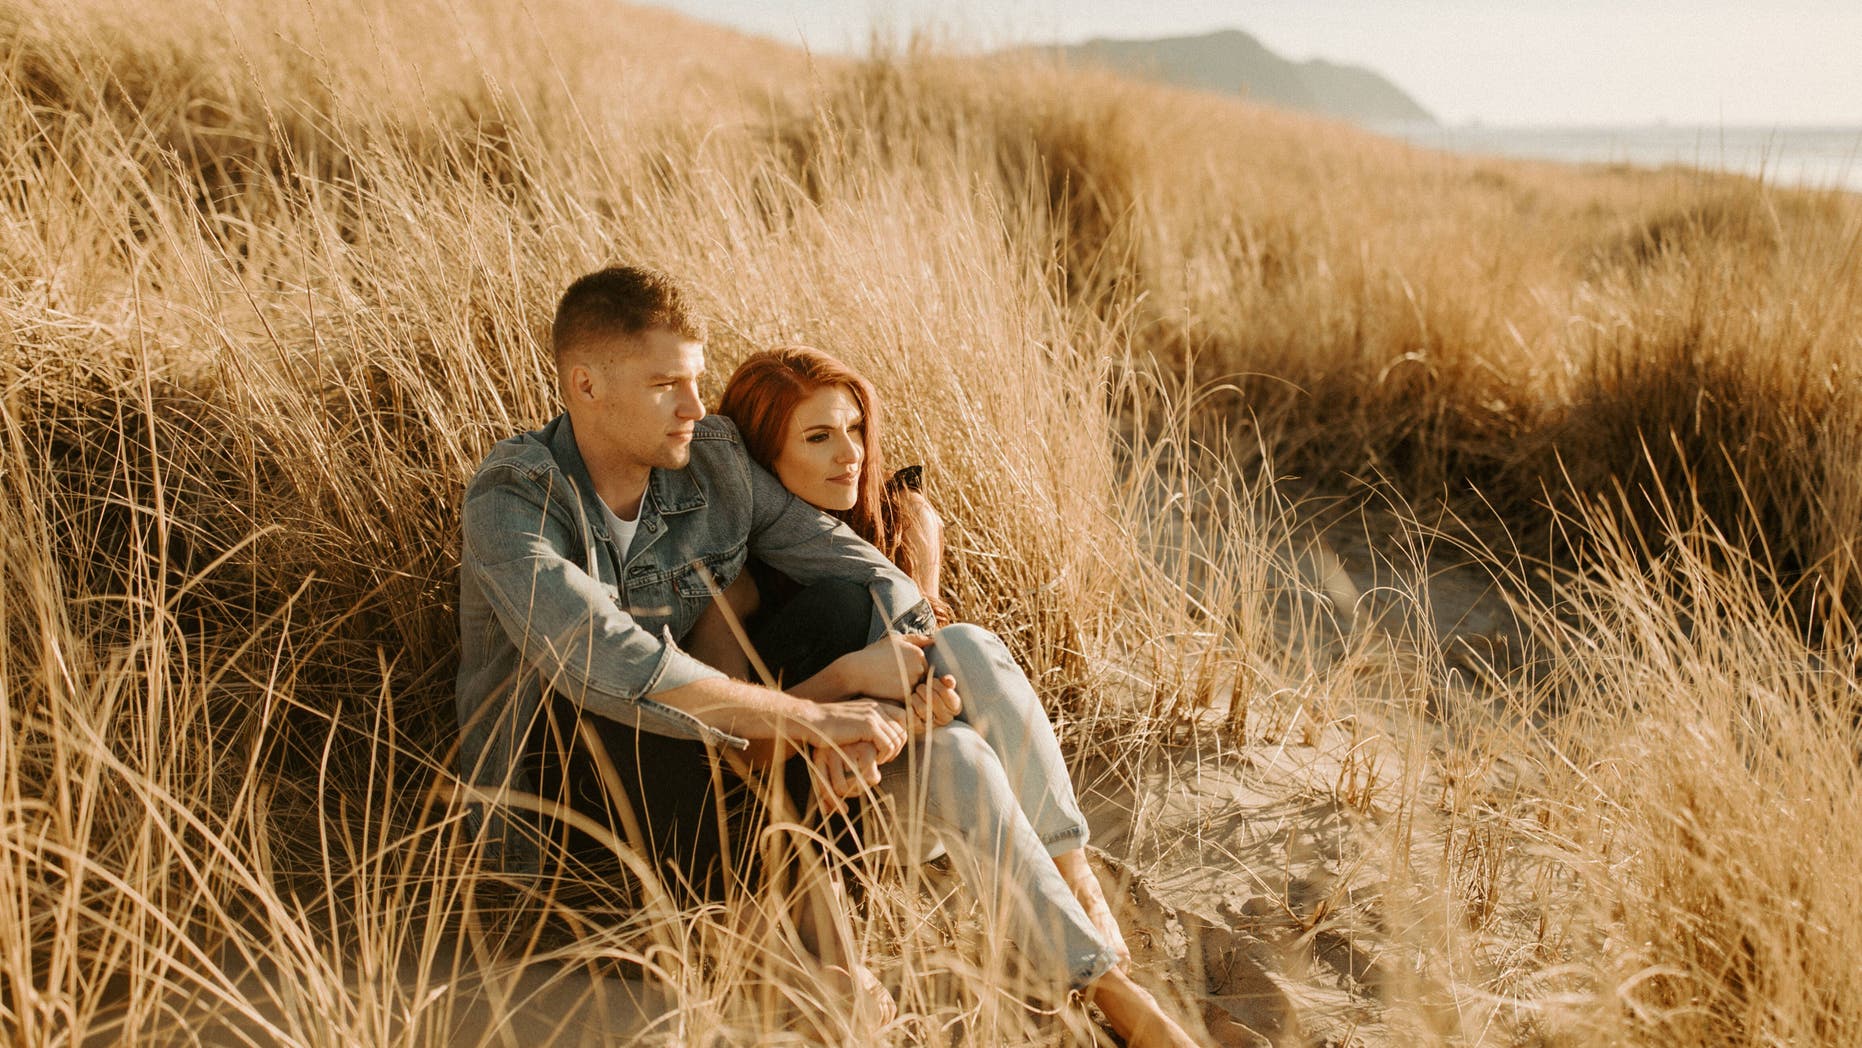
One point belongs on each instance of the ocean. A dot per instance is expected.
(1814, 157)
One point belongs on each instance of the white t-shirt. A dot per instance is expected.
(621, 530)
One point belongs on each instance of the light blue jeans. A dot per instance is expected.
(994, 786)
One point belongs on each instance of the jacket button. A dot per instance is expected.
(652, 525)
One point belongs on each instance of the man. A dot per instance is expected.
(590, 547)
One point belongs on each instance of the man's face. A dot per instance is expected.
(640, 396)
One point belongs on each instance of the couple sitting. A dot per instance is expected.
(600, 671)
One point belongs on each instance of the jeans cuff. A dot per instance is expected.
(1065, 840)
(1092, 967)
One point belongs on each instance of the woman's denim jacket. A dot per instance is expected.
(547, 604)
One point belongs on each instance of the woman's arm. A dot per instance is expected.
(891, 669)
(921, 549)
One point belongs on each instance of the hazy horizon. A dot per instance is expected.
(1534, 63)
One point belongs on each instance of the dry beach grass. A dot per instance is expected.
(274, 277)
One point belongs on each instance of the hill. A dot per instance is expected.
(1234, 62)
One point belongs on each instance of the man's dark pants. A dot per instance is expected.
(692, 814)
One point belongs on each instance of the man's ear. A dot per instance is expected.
(581, 383)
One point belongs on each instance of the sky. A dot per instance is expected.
(1719, 63)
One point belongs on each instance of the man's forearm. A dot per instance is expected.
(742, 709)
(752, 712)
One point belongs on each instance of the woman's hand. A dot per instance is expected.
(888, 668)
(932, 704)
(843, 772)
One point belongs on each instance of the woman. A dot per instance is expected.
(993, 773)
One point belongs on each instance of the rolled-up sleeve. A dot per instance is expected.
(564, 623)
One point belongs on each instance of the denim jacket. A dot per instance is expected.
(548, 604)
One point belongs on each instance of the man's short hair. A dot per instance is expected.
(622, 300)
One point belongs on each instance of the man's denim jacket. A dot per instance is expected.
(547, 604)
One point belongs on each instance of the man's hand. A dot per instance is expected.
(888, 668)
(933, 704)
(844, 724)
(844, 772)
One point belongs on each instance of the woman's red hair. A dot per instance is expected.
(762, 396)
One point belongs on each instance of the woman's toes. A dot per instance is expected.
(872, 1003)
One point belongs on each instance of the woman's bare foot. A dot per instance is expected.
(1078, 874)
(1134, 1014)
(871, 1005)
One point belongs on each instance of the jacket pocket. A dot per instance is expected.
(722, 567)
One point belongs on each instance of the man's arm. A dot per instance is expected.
(755, 712)
(809, 546)
(566, 624)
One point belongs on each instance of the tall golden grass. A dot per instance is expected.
(277, 275)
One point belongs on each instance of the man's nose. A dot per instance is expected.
(691, 405)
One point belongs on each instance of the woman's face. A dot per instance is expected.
(823, 449)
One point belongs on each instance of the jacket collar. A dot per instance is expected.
(559, 434)
(674, 490)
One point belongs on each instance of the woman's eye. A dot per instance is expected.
(816, 438)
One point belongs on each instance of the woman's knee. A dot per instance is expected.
(991, 683)
(965, 648)
(960, 768)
